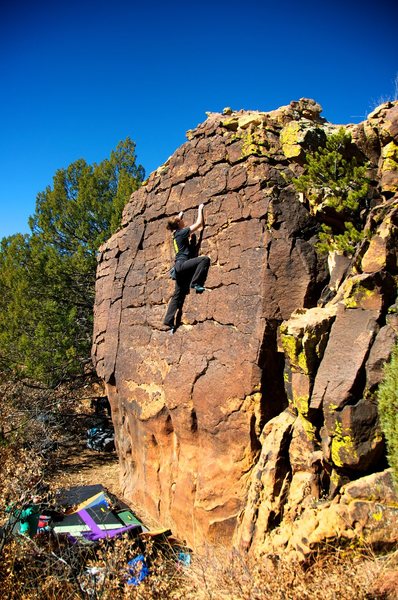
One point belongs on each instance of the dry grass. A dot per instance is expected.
(330, 575)
(47, 567)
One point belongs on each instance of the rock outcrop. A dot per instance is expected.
(260, 411)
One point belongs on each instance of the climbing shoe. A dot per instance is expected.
(199, 289)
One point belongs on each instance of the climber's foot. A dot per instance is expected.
(199, 289)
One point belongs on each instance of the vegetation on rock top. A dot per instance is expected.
(336, 187)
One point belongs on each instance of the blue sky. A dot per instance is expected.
(78, 77)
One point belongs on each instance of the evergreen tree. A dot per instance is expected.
(14, 307)
(336, 188)
(47, 279)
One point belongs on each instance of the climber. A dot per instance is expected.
(190, 269)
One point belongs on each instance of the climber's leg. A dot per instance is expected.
(177, 300)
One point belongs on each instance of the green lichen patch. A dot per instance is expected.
(251, 120)
(302, 362)
(343, 448)
(231, 124)
(302, 404)
(291, 347)
(337, 479)
(314, 344)
(254, 143)
(378, 514)
(304, 338)
(291, 136)
(390, 152)
(309, 428)
(361, 293)
(389, 165)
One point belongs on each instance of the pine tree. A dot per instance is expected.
(336, 188)
(47, 279)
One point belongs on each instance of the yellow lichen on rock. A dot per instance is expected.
(231, 124)
(290, 137)
(301, 403)
(308, 427)
(342, 443)
(250, 119)
(253, 143)
(290, 345)
(304, 337)
(361, 291)
(388, 167)
(390, 157)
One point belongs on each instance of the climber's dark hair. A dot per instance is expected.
(172, 224)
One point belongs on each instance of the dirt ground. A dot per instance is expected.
(75, 464)
(82, 466)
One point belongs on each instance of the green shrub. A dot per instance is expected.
(345, 243)
(388, 410)
(336, 188)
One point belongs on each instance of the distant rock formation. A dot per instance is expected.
(256, 423)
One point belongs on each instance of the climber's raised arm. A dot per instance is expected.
(199, 221)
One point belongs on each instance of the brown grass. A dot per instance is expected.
(47, 567)
(332, 574)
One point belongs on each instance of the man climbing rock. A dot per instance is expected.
(190, 270)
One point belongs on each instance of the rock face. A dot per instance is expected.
(263, 402)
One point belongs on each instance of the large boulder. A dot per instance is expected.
(365, 510)
(263, 401)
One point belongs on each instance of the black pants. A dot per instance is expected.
(188, 273)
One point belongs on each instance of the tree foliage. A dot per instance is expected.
(343, 243)
(388, 410)
(47, 278)
(336, 188)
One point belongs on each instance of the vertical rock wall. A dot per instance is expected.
(224, 425)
